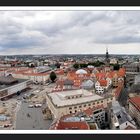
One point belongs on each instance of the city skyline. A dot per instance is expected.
(69, 32)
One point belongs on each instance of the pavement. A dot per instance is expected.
(31, 119)
(17, 110)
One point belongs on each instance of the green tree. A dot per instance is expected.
(83, 65)
(115, 66)
(53, 76)
(76, 65)
(58, 65)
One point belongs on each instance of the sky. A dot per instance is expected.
(69, 32)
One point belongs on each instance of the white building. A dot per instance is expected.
(102, 85)
(7, 91)
(99, 89)
(67, 102)
(113, 61)
(120, 119)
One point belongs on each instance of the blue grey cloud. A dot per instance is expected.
(68, 31)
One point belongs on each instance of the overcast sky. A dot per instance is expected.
(69, 32)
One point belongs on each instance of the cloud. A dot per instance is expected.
(59, 32)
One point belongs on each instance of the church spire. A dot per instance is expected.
(107, 56)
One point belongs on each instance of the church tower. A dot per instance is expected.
(107, 57)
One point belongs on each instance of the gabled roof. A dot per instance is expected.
(88, 83)
(100, 75)
(119, 89)
(103, 82)
(68, 82)
(130, 128)
(121, 72)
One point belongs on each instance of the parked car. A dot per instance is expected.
(38, 105)
(31, 106)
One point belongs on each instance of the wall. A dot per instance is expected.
(60, 111)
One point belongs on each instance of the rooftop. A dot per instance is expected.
(81, 125)
(7, 80)
(81, 71)
(2, 87)
(61, 98)
(135, 101)
(120, 113)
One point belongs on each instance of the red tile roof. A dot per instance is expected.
(119, 88)
(89, 111)
(103, 82)
(82, 125)
(100, 75)
(135, 101)
(121, 72)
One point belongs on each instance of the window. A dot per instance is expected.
(85, 105)
(70, 108)
(93, 103)
(89, 104)
(97, 102)
(101, 101)
(75, 111)
(80, 106)
(70, 112)
(75, 107)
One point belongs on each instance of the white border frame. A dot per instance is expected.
(69, 8)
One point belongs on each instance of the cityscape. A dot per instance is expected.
(60, 71)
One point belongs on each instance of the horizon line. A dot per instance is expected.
(67, 54)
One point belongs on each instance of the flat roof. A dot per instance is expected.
(2, 87)
(59, 98)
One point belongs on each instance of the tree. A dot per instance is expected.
(76, 65)
(53, 76)
(58, 65)
(115, 66)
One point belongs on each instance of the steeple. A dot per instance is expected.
(107, 57)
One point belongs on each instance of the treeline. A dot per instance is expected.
(95, 64)
(83, 65)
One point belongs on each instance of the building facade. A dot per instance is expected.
(67, 102)
(134, 108)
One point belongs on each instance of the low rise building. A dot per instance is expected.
(10, 86)
(120, 119)
(134, 108)
(72, 101)
(132, 67)
(70, 123)
(101, 86)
